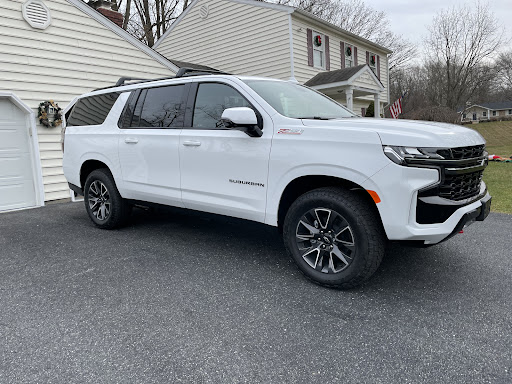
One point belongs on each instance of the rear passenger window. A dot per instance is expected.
(92, 110)
(212, 99)
(162, 107)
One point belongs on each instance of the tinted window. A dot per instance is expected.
(161, 108)
(92, 110)
(126, 117)
(212, 99)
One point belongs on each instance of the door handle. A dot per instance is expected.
(131, 140)
(191, 143)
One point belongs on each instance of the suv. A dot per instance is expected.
(337, 186)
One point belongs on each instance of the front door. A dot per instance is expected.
(149, 142)
(223, 170)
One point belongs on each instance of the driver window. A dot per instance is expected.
(211, 100)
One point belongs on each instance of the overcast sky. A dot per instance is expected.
(410, 18)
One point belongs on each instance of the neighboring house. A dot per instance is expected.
(250, 37)
(486, 111)
(55, 50)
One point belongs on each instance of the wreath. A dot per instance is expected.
(318, 40)
(349, 51)
(44, 111)
(372, 60)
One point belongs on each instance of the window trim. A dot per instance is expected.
(346, 57)
(191, 104)
(374, 67)
(322, 49)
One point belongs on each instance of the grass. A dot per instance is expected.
(498, 176)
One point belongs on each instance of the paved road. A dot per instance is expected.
(180, 297)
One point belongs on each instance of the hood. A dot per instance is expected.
(412, 133)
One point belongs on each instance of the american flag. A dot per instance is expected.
(396, 108)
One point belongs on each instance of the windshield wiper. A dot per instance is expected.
(314, 118)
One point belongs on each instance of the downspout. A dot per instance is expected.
(290, 37)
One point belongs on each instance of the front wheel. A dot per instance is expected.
(335, 237)
(105, 206)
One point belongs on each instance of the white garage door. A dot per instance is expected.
(16, 171)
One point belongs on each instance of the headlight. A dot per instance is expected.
(399, 155)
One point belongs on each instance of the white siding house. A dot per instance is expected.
(250, 37)
(54, 50)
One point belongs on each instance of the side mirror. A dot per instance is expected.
(242, 118)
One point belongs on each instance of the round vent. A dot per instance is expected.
(37, 14)
(203, 11)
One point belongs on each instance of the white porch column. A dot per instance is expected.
(349, 93)
(376, 106)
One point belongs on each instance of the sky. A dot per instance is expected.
(411, 18)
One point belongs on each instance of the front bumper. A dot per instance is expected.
(399, 188)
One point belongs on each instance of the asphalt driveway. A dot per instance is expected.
(183, 297)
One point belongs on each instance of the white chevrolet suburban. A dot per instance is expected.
(339, 187)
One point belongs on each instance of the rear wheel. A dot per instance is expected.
(105, 206)
(335, 237)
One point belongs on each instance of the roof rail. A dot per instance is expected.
(185, 71)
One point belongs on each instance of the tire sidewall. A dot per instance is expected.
(359, 231)
(107, 180)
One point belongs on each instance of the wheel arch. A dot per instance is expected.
(303, 184)
(87, 167)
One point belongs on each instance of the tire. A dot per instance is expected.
(335, 237)
(105, 206)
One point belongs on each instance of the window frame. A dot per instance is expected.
(352, 61)
(191, 103)
(374, 67)
(142, 92)
(321, 49)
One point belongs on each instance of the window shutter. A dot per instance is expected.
(355, 56)
(363, 112)
(327, 54)
(309, 33)
(378, 66)
(367, 57)
(342, 49)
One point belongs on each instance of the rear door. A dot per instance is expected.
(148, 144)
(223, 170)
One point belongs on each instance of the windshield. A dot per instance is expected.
(297, 101)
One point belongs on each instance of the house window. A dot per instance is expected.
(484, 113)
(494, 113)
(463, 115)
(318, 50)
(510, 111)
(349, 55)
(372, 61)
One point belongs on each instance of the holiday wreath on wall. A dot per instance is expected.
(49, 114)
(318, 40)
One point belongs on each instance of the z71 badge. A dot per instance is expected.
(286, 131)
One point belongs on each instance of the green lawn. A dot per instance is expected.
(498, 176)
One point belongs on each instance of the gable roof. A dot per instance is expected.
(280, 8)
(122, 33)
(345, 76)
(496, 105)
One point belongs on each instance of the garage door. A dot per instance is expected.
(16, 170)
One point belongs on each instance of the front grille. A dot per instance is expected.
(460, 187)
(462, 153)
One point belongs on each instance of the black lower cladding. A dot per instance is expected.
(432, 213)
(76, 189)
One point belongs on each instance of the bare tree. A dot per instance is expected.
(461, 41)
(504, 75)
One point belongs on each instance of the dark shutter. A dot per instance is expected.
(367, 57)
(327, 54)
(355, 56)
(310, 46)
(363, 112)
(342, 49)
(378, 66)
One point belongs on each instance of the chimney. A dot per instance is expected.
(109, 10)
